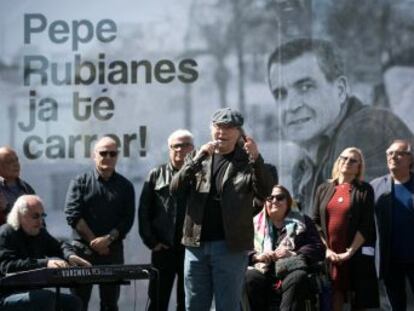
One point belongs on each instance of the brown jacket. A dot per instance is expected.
(242, 182)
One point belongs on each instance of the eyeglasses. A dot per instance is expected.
(106, 153)
(36, 216)
(397, 153)
(181, 145)
(278, 197)
(351, 160)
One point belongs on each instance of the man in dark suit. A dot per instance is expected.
(394, 210)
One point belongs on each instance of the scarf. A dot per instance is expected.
(264, 233)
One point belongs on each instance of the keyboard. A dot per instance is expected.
(74, 276)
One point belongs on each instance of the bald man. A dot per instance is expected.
(100, 207)
(11, 186)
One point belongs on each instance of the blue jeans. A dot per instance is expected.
(36, 300)
(213, 269)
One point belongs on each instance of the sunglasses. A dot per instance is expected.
(278, 197)
(111, 154)
(351, 160)
(36, 216)
(181, 145)
(397, 153)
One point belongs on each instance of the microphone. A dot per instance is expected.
(204, 155)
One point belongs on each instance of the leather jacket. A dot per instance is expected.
(242, 182)
(157, 210)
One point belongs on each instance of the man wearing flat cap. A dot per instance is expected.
(220, 182)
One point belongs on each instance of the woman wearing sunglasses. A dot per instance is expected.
(344, 215)
(280, 232)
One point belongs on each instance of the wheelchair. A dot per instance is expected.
(319, 288)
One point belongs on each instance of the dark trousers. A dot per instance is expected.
(39, 299)
(170, 263)
(108, 293)
(395, 284)
(291, 296)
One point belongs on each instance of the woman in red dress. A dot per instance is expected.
(344, 215)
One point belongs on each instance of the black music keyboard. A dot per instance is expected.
(73, 276)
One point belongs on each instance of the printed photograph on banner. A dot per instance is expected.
(311, 78)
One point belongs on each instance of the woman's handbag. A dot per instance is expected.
(283, 266)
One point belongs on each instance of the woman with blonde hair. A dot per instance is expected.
(344, 215)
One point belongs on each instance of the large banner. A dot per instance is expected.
(73, 71)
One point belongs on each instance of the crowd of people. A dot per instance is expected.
(217, 220)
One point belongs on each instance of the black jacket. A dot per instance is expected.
(158, 209)
(242, 183)
(383, 211)
(21, 252)
(363, 277)
(307, 243)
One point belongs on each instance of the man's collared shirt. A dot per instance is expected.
(103, 204)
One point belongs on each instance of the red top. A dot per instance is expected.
(337, 223)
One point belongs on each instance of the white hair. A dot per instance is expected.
(181, 133)
(20, 207)
(408, 149)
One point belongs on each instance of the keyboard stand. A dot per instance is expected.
(57, 297)
(58, 291)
